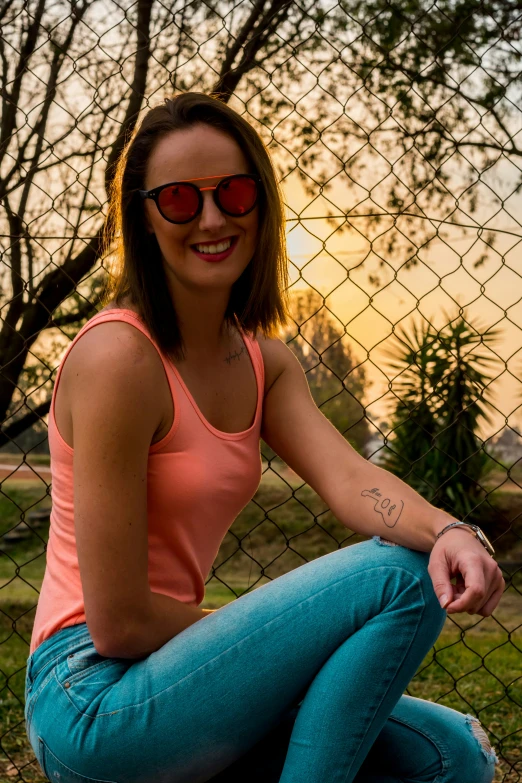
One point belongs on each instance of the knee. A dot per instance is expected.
(473, 759)
(412, 559)
(384, 541)
(482, 740)
(415, 563)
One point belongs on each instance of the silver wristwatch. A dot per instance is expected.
(479, 534)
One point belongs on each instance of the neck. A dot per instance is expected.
(207, 350)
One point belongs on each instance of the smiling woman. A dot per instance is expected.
(194, 174)
(154, 431)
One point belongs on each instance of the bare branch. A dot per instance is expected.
(137, 87)
(10, 101)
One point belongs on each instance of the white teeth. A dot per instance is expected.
(219, 248)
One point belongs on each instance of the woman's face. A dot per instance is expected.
(200, 151)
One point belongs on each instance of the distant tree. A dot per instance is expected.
(442, 395)
(507, 448)
(337, 383)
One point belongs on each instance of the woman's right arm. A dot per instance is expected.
(112, 388)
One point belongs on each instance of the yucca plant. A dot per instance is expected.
(441, 386)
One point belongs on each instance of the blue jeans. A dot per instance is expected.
(299, 681)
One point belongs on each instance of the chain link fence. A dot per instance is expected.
(396, 131)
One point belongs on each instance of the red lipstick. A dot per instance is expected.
(216, 256)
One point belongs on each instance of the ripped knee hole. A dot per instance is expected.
(480, 734)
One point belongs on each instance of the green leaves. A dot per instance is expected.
(442, 395)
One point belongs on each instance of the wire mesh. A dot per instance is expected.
(395, 129)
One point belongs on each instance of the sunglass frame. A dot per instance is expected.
(155, 192)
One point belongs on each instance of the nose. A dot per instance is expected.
(211, 217)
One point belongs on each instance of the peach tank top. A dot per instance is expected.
(198, 481)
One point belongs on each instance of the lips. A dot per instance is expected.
(216, 257)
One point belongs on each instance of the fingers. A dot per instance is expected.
(479, 580)
(477, 587)
(476, 599)
(493, 602)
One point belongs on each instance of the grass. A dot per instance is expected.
(474, 666)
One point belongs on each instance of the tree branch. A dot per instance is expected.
(21, 425)
(10, 102)
(138, 87)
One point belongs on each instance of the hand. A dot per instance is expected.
(480, 583)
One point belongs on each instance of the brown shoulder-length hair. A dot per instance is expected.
(259, 298)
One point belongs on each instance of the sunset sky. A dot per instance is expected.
(447, 276)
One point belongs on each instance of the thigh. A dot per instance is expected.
(208, 696)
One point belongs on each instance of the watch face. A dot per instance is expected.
(482, 536)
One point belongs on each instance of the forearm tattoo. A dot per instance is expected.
(390, 512)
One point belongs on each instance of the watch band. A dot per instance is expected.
(478, 532)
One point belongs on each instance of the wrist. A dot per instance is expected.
(476, 531)
(443, 521)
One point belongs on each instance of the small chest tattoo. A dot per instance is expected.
(235, 355)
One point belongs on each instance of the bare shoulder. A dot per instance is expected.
(118, 337)
(117, 345)
(276, 355)
(112, 355)
(274, 348)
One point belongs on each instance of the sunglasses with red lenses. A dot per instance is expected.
(180, 202)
